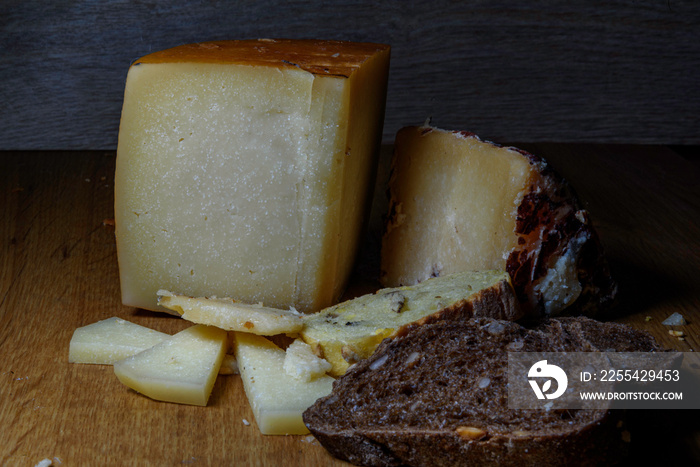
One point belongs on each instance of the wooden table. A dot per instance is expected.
(58, 271)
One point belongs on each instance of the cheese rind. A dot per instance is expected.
(276, 398)
(180, 369)
(111, 340)
(244, 169)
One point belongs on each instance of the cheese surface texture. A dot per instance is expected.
(455, 200)
(277, 398)
(243, 169)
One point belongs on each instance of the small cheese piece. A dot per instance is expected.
(458, 203)
(244, 169)
(301, 362)
(111, 340)
(350, 331)
(230, 315)
(676, 319)
(181, 369)
(277, 399)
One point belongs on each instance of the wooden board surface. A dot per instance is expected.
(58, 271)
(542, 70)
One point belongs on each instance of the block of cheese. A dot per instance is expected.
(459, 203)
(277, 398)
(350, 331)
(180, 369)
(244, 169)
(110, 340)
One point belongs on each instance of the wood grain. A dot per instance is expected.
(597, 71)
(58, 271)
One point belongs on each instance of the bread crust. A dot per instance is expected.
(590, 445)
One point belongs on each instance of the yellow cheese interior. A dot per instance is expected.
(245, 180)
(456, 203)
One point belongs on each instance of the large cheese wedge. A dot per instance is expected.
(351, 331)
(180, 369)
(277, 398)
(458, 203)
(244, 169)
(111, 340)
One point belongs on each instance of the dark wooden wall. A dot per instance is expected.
(509, 70)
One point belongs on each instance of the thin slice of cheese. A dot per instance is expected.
(230, 315)
(278, 399)
(110, 340)
(180, 369)
(244, 168)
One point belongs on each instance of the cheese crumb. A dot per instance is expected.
(676, 319)
(300, 362)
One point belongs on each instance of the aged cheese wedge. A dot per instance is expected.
(458, 203)
(244, 168)
(180, 369)
(277, 398)
(350, 331)
(230, 315)
(110, 340)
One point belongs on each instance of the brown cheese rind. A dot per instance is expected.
(321, 57)
(550, 223)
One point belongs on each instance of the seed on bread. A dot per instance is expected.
(470, 433)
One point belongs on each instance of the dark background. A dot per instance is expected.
(620, 71)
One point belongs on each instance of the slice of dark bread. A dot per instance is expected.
(436, 394)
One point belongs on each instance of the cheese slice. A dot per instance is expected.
(110, 340)
(351, 331)
(277, 398)
(181, 369)
(244, 168)
(230, 315)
